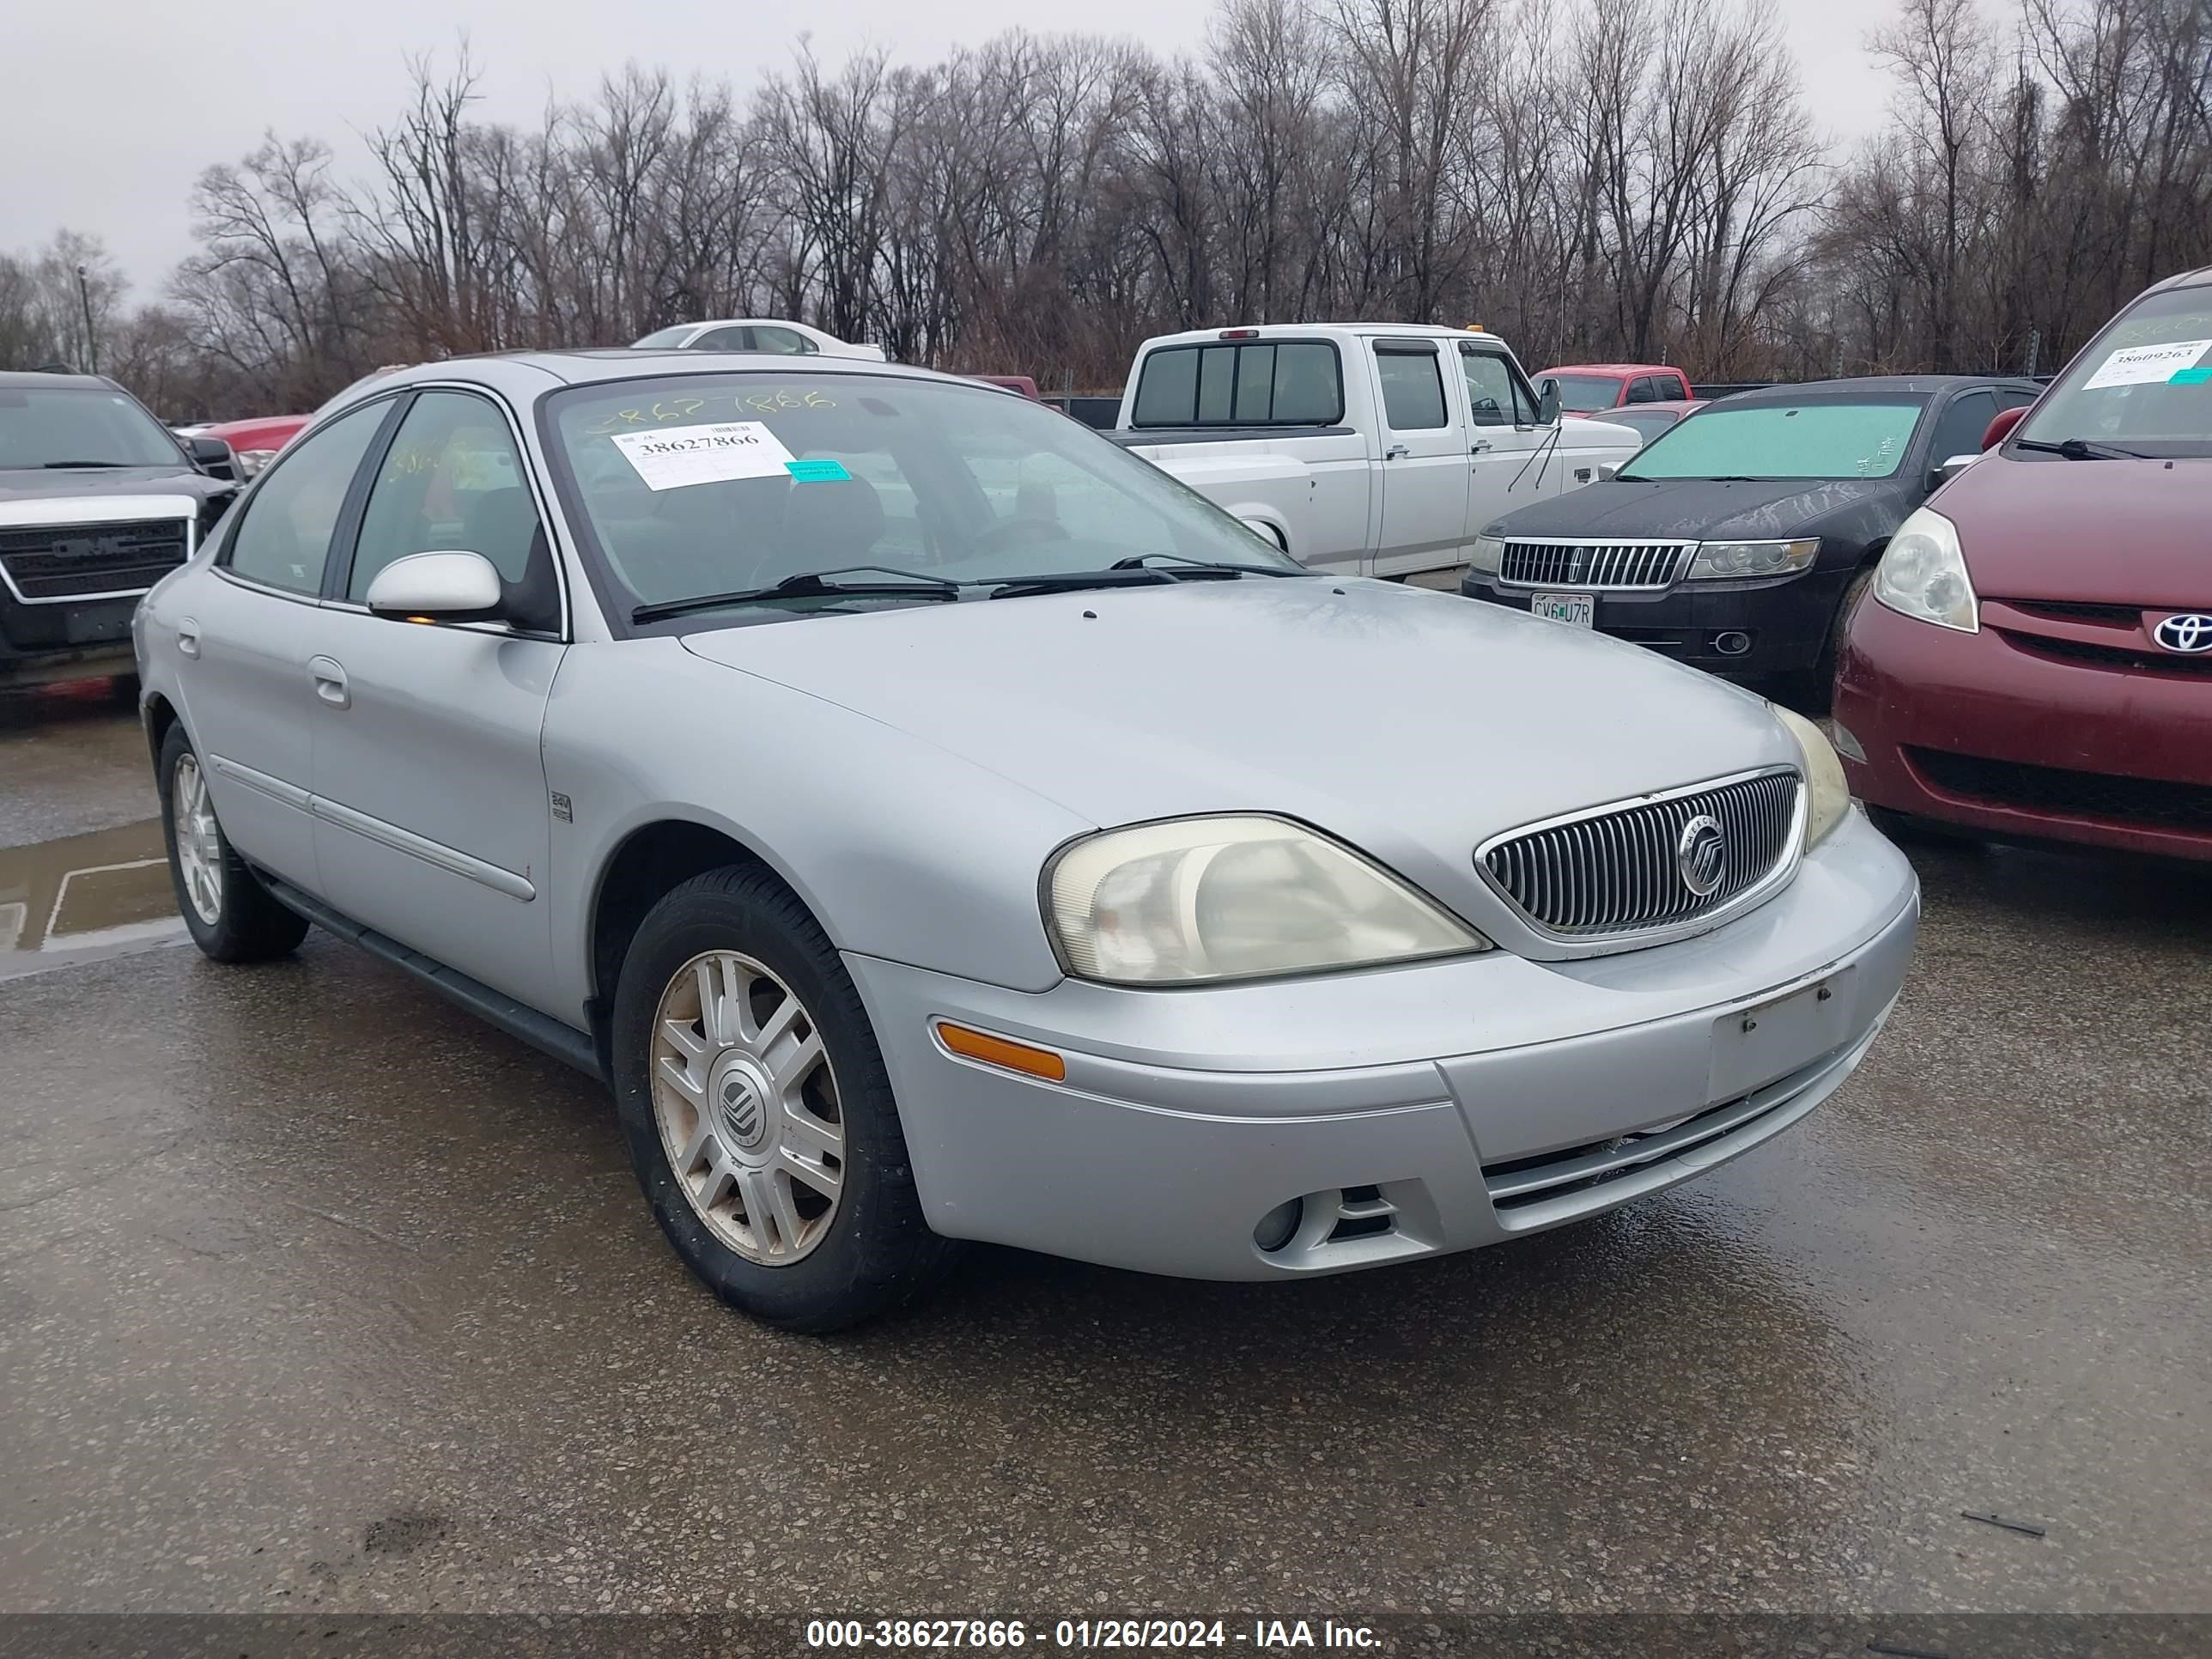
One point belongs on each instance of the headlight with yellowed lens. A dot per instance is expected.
(1827, 796)
(1487, 556)
(1922, 574)
(1196, 900)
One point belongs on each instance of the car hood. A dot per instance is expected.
(2122, 532)
(1707, 509)
(99, 483)
(1411, 723)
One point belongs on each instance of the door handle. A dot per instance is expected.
(1479, 445)
(188, 637)
(330, 681)
(1396, 453)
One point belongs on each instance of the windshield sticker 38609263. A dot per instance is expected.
(2145, 365)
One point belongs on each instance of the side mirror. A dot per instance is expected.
(437, 588)
(213, 457)
(1548, 403)
(2001, 428)
(1951, 469)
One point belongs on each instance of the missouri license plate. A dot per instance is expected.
(1576, 609)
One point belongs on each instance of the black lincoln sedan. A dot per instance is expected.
(1737, 540)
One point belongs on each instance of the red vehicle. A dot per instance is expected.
(255, 442)
(1021, 383)
(1648, 420)
(1587, 388)
(2034, 658)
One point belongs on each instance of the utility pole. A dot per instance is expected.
(2034, 348)
(91, 335)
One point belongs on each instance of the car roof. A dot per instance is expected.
(530, 373)
(1263, 332)
(1622, 370)
(27, 378)
(2180, 279)
(1920, 386)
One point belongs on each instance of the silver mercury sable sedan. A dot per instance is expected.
(935, 823)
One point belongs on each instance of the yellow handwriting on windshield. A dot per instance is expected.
(770, 403)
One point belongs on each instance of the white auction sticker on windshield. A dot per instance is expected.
(2145, 365)
(676, 456)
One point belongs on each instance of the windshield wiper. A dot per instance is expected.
(1071, 582)
(1136, 562)
(121, 464)
(2080, 449)
(809, 585)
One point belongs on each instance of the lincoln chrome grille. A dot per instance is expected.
(88, 560)
(1592, 564)
(1623, 869)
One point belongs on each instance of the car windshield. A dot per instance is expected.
(2143, 387)
(63, 426)
(668, 336)
(1648, 423)
(728, 483)
(1581, 393)
(1814, 439)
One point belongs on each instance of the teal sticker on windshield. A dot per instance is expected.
(818, 472)
(2190, 377)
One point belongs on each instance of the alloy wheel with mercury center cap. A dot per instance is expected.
(199, 841)
(746, 1103)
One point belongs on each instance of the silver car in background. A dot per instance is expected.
(935, 823)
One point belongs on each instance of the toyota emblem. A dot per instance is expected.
(1701, 853)
(2190, 632)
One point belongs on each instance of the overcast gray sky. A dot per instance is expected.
(123, 102)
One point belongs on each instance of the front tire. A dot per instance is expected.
(231, 916)
(758, 1113)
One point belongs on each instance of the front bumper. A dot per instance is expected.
(1412, 1111)
(80, 639)
(1785, 621)
(1969, 730)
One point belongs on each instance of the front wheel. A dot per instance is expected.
(758, 1113)
(231, 916)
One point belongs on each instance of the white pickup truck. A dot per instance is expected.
(1369, 449)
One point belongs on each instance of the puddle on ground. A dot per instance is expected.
(97, 894)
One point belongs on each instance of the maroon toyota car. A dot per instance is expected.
(2033, 659)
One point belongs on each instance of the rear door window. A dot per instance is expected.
(1413, 387)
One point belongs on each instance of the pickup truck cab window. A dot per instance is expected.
(1271, 383)
(1412, 386)
(1496, 394)
(283, 535)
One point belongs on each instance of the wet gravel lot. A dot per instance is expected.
(314, 1293)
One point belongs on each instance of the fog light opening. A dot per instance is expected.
(1280, 1226)
(1732, 643)
(1846, 745)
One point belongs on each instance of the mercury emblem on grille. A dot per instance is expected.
(1701, 853)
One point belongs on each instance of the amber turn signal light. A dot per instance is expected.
(1002, 1052)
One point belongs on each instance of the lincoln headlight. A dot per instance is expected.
(1196, 900)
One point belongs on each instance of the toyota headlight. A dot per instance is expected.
(1488, 556)
(1827, 796)
(1734, 561)
(1922, 574)
(1194, 900)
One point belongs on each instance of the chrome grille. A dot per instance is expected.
(1592, 564)
(1615, 870)
(51, 562)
